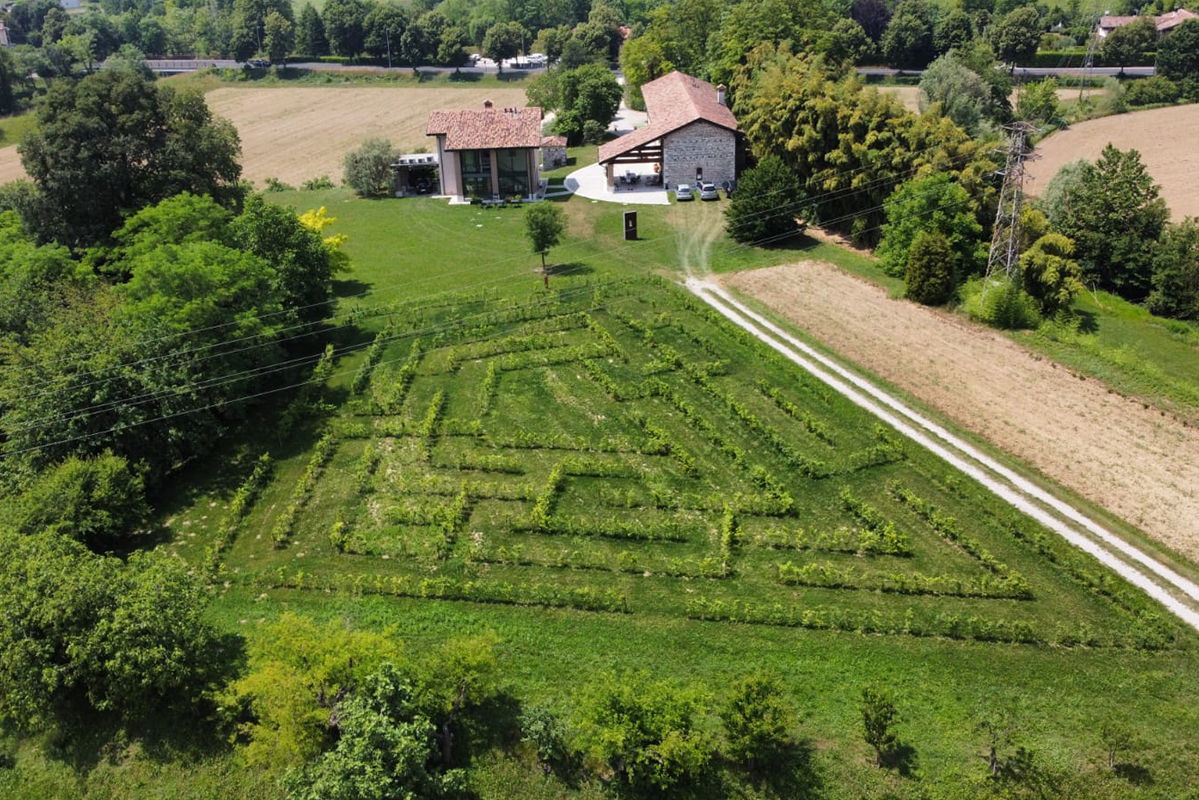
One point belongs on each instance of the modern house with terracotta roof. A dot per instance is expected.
(691, 135)
(1163, 22)
(488, 152)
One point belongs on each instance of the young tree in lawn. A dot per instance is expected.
(768, 204)
(368, 167)
(759, 723)
(545, 225)
(502, 41)
(1015, 35)
(879, 717)
(279, 38)
(929, 275)
(310, 33)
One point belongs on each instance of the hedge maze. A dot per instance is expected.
(618, 448)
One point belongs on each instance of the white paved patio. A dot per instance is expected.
(592, 182)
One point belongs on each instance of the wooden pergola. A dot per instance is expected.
(648, 153)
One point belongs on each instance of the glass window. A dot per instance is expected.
(476, 173)
(513, 171)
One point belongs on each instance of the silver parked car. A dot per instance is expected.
(684, 192)
(707, 191)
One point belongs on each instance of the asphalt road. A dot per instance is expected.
(1029, 72)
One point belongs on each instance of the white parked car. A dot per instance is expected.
(707, 191)
(684, 192)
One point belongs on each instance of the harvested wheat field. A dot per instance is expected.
(294, 134)
(1165, 137)
(1127, 458)
(10, 164)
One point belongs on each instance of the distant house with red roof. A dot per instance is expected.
(691, 135)
(487, 152)
(1163, 22)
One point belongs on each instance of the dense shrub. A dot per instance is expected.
(929, 275)
(1000, 304)
(367, 170)
(1149, 91)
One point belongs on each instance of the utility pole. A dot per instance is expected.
(387, 34)
(1005, 240)
(1089, 63)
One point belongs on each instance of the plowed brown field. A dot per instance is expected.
(1125, 457)
(294, 134)
(1165, 136)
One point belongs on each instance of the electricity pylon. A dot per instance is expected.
(1005, 240)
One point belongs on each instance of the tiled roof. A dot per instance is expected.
(475, 129)
(1163, 22)
(554, 141)
(1174, 18)
(672, 101)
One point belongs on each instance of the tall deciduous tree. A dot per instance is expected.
(908, 41)
(344, 21)
(96, 501)
(310, 33)
(385, 26)
(1176, 272)
(279, 38)
(650, 735)
(77, 629)
(115, 142)
(503, 41)
(1016, 34)
(1114, 213)
(961, 93)
(1127, 45)
(1178, 53)
(932, 204)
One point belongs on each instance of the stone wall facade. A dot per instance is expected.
(552, 156)
(699, 146)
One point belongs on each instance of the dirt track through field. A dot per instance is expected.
(1165, 137)
(1128, 459)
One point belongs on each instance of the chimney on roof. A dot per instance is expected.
(720, 90)
(487, 104)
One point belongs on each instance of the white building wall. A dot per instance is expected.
(448, 170)
(700, 145)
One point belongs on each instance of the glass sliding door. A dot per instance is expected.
(513, 172)
(476, 173)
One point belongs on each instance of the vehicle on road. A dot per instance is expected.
(707, 191)
(684, 192)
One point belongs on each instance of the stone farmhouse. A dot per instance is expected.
(1164, 22)
(691, 135)
(488, 152)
